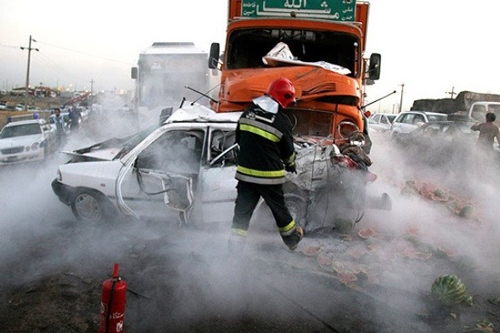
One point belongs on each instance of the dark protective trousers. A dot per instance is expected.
(248, 197)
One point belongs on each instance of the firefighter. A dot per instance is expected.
(264, 134)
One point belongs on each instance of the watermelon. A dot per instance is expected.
(344, 226)
(311, 251)
(466, 211)
(450, 290)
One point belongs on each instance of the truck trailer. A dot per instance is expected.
(162, 74)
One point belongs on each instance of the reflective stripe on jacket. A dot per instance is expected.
(266, 143)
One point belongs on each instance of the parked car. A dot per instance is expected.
(187, 167)
(408, 121)
(26, 140)
(381, 122)
(439, 142)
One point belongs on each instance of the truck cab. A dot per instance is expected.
(318, 45)
(478, 110)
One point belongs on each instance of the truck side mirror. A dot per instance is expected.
(133, 73)
(374, 70)
(213, 58)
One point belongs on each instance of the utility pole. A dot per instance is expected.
(401, 102)
(92, 87)
(452, 92)
(26, 93)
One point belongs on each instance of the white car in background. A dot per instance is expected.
(26, 140)
(381, 122)
(408, 121)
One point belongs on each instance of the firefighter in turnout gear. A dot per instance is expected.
(264, 135)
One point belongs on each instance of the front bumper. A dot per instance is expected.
(8, 159)
(64, 192)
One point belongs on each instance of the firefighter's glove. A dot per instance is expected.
(291, 168)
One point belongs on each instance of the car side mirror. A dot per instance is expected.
(213, 58)
(374, 69)
(420, 123)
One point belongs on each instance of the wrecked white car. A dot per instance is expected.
(187, 167)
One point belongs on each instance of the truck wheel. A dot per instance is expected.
(90, 206)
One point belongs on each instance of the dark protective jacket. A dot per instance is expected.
(266, 144)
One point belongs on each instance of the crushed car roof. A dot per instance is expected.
(195, 113)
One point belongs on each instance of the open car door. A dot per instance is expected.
(159, 179)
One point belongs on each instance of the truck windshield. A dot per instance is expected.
(247, 47)
(163, 78)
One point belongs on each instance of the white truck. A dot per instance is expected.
(163, 71)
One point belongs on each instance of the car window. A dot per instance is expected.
(220, 141)
(418, 118)
(391, 118)
(375, 119)
(176, 151)
(495, 108)
(408, 119)
(479, 112)
(384, 120)
(400, 118)
(20, 130)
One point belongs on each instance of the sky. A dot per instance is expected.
(429, 46)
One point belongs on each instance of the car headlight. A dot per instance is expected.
(35, 146)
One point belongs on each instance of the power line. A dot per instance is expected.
(87, 54)
(9, 46)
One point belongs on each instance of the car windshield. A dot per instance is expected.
(20, 130)
(437, 117)
(130, 142)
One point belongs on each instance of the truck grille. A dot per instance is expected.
(13, 150)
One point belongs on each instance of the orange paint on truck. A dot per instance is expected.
(325, 97)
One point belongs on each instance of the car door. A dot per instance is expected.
(397, 126)
(49, 136)
(407, 124)
(160, 176)
(385, 123)
(218, 185)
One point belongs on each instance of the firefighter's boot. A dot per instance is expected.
(293, 240)
(236, 242)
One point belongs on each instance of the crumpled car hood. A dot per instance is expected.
(102, 151)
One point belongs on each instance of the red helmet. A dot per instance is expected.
(282, 91)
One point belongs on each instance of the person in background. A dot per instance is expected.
(59, 122)
(264, 135)
(75, 115)
(487, 133)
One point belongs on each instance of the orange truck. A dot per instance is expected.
(318, 44)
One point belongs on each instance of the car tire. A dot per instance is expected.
(91, 206)
(298, 209)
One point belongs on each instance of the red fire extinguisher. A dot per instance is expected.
(113, 304)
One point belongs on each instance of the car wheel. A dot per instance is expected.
(297, 207)
(90, 206)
